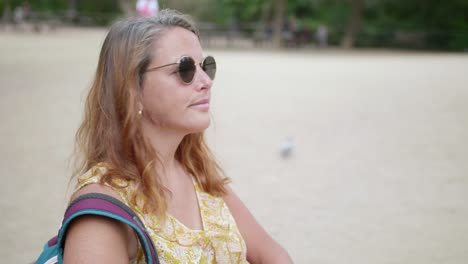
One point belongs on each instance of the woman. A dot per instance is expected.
(142, 142)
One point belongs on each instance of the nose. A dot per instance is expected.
(204, 82)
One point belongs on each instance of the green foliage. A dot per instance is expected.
(100, 12)
(244, 12)
(423, 24)
(427, 24)
(201, 10)
(101, 6)
(38, 5)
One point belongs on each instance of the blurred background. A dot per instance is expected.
(342, 124)
(415, 24)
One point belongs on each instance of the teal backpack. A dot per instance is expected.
(102, 205)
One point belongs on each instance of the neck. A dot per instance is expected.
(165, 142)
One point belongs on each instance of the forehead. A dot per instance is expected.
(174, 43)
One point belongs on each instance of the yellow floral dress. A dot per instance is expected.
(219, 242)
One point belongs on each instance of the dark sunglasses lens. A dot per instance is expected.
(187, 69)
(209, 66)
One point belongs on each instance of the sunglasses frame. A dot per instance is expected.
(202, 66)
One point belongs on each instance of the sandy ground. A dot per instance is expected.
(378, 173)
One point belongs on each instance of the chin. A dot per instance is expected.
(203, 126)
(198, 125)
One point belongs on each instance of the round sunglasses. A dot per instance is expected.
(187, 68)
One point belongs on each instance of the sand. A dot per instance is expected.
(378, 172)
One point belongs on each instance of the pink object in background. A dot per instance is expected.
(147, 7)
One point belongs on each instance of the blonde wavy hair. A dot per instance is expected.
(111, 131)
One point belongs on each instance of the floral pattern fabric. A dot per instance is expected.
(219, 242)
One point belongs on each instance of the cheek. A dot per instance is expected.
(154, 101)
(164, 103)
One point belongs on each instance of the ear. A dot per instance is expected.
(140, 107)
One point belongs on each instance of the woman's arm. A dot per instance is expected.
(97, 239)
(261, 248)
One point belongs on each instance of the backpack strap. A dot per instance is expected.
(107, 206)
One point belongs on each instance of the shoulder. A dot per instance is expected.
(234, 203)
(94, 238)
(87, 235)
(92, 182)
(96, 188)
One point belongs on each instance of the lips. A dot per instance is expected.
(201, 102)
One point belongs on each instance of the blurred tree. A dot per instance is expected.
(201, 10)
(127, 7)
(6, 11)
(280, 6)
(423, 24)
(71, 12)
(353, 25)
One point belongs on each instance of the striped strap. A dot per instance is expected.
(104, 205)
